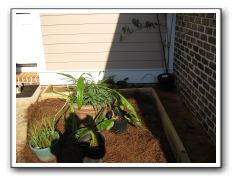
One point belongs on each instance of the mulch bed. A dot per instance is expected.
(147, 144)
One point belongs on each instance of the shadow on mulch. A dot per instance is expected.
(147, 144)
(197, 143)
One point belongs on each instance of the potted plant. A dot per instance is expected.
(120, 84)
(43, 139)
(166, 79)
(120, 120)
(87, 97)
(90, 139)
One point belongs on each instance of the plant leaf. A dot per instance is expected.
(81, 132)
(71, 110)
(137, 122)
(99, 117)
(127, 118)
(80, 91)
(94, 140)
(106, 124)
(127, 105)
(68, 76)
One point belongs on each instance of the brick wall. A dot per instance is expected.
(195, 66)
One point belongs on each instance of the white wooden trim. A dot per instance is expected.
(172, 41)
(135, 76)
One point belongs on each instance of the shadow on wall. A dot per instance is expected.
(92, 43)
(136, 55)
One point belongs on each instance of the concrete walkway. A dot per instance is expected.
(21, 125)
(22, 105)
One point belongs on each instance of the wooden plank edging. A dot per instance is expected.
(174, 140)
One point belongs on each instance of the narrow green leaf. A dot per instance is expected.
(99, 117)
(106, 124)
(127, 118)
(137, 122)
(80, 91)
(67, 75)
(127, 105)
(94, 141)
(81, 132)
(71, 110)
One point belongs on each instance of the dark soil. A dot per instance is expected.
(197, 143)
(145, 144)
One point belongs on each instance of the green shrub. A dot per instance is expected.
(98, 94)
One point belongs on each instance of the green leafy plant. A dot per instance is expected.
(97, 124)
(87, 92)
(97, 94)
(43, 133)
(125, 105)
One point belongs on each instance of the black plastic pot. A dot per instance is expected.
(120, 126)
(166, 81)
(122, 84)
(93, 154)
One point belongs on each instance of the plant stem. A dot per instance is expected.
(169, 41)
(163, 47)
(60, 111)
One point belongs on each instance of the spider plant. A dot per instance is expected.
(43, 134)
(87, 92)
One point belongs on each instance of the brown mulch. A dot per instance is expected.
(135, 145)
(147, 144)
(43, 109)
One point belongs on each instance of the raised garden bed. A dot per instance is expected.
(155, 142)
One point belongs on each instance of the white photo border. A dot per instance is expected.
(122, 10)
